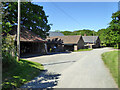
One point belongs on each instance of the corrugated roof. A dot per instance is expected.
(90, 38)
(67, 39)
(53, 34)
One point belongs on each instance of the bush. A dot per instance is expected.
(8, 51)
(8, 60)
(116, 46)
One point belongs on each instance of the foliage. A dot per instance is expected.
(80, 32)
(32, 17)
(66, 32)
(19, 73)
(8, 51)
(111, 61)
(57, 30)
(8, 43)
(101, 33)
(115, 23)
(111, 35)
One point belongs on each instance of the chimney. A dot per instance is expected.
(85, 35)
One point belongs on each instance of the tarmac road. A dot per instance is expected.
(73, 70)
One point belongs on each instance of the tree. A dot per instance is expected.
(80, 32)
(57, 30)
(66, 32)
(111, 35)
(32, 17)
(115, 23)
(115, 28)
(102, 33)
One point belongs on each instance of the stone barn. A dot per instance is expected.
(30, 43)
(54, 45)
(92, 41)
(71, 43)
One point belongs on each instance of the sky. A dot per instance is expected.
(71, 16)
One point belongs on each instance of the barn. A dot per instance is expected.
(92, 41)
(30, 43)
(70, 43)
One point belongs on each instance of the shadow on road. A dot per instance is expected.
(45, 80)
(59, 63)
(37, 54)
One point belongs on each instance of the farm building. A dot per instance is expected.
(70, 43)
(54, 45)
(30, 43)
(92, 41)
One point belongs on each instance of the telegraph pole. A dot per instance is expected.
(93, 36)
(18, 33)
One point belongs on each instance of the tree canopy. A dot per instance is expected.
(33, 17)
(111, 35)
(80, 32)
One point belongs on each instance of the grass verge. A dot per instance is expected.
(83, 50)
(19, 73)
(111, 61)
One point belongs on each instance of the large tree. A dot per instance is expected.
(111, 35)
(115, 23)
(114, 29)
(33, 17)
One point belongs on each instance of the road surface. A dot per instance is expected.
(73, 70)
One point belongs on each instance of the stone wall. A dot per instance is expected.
(80, 43)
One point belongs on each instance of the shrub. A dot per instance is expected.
(8, 51)
(8, 60)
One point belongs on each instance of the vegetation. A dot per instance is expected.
(32, 17)
(109, 36)
(83, 50)
(19, 73)
(80, 32)
(111, 61)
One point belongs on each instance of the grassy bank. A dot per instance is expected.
(19, 73)
(83, 50)
(111, 61)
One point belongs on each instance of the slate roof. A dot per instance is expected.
(26, 35)
(67, 39)
(52, 34)
(29, 36)
(90, 39)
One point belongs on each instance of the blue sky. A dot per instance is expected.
(71, 16)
